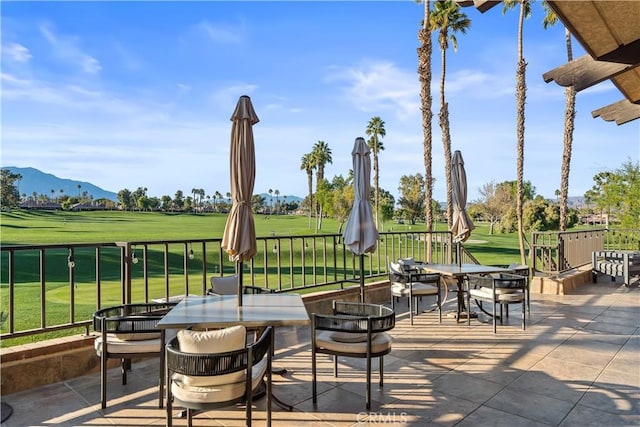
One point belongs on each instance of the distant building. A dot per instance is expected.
(37, 205)
(87, 206)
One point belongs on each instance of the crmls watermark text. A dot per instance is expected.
(381, 418)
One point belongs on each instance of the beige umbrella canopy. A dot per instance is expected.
(239, 238)
(360, 234)
(461, 224)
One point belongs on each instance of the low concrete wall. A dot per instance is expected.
(561, 285)
(34, 365)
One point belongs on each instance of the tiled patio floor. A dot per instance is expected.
(577, 364)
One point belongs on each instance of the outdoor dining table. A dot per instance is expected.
(459, 272)
(221, 311)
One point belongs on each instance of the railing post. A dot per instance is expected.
(126, 273)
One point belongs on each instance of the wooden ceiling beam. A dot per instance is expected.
(625, 54)
(584, 72)
(621, 112)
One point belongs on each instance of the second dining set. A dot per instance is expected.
(495, 286)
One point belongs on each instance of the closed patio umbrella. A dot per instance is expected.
(360, 234)
(461, 224)
(239, 238)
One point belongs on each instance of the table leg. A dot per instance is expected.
(278, 371)
(461, 309)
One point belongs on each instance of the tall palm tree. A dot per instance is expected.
(424, 72)
(447, 19)
(306, 164)
(569, 121)
(217, 196)
(521, 96)
(277, 193)
(271, 200)
(375, 129)
(321, 155)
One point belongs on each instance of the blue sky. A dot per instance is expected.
(124, 94)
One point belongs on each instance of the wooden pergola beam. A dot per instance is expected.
(584, 72)
(621, 112)
(481, 5)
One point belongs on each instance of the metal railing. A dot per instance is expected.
(70, 281)
(555, 252)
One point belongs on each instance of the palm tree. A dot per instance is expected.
(307, 165)
(218, 196)
(277, 193)
(194, 192)
(447, 19)
(270, 201)
(569, 121)
(424, 71)
(376, 130)
(321, 155)
(521, 96)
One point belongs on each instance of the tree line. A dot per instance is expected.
(614, 193)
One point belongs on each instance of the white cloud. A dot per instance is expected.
(183, 88)
(16, 52)
(228, 95)
(67, 49)
(379, 87)
(218, 33)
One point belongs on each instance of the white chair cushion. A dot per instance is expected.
(224, 285)
(420, 288)
(219, 392)
(117, 345)
(502, 295)
(216, 341)
(401, 290)
(380, 342)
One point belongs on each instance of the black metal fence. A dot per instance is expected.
(54, 289)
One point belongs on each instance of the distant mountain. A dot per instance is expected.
(34, 180)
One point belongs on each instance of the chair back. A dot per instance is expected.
(396, 274)
(521, 270)
(205, 380)
(224, 285)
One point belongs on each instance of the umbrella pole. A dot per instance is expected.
(362, 278)
(239, 267)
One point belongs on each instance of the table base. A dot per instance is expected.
(463, 315)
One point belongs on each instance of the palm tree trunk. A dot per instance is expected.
(424, 71)
(446, 136)
(521, 93)
(310, 185)
(375, 180)
(569, 122)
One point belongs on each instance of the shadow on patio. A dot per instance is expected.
(577, 363)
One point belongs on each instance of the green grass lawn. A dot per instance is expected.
(52, 227)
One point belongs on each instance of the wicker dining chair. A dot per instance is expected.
(129, 331)
(216, 369)
(352, 330)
